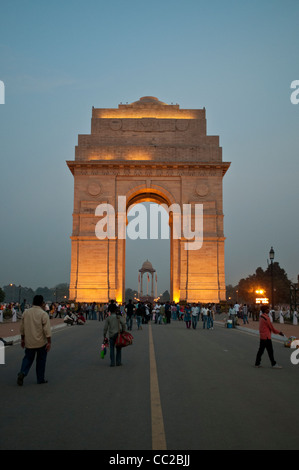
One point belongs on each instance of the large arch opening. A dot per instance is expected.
(149, 237)
(147, 243)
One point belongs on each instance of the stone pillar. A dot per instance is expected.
(152, 291)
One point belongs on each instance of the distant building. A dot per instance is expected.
(151, 278)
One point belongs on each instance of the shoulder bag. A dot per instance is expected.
(123, 338)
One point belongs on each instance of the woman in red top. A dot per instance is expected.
(266, 329)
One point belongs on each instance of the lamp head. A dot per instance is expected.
(271, 254)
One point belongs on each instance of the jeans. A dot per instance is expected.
(130, 322)
(205, 318)
(112, 354)
(194, 321)
(210, 322)
(41, 357)
(139, 321)
(265, 344)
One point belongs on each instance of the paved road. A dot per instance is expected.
(178, 389)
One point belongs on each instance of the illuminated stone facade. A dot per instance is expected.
(147, 151)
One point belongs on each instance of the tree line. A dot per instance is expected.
(16, 293)
(243, 292)
(261, 280)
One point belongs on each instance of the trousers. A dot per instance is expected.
(265, 344)
(112, 352)
(41, 358)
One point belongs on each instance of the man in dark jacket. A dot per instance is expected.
(130, 309)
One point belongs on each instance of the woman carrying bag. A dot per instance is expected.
(113, 324)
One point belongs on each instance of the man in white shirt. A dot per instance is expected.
(194, 315)
(237, 308)
(35, 332)
(204, 312)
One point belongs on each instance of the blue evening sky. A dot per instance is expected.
(235, 58)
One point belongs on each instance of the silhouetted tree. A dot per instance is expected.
(262, 280)
(130, 294)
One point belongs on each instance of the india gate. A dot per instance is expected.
(147, 151)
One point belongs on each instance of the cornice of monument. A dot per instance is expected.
(120, 167)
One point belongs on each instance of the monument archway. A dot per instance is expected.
(160, 196)
(147, 151)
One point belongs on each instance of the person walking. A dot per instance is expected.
(266, 329)
(194, 314)
(245, 314)
(140, 312)
(173, 311)
(204, 312)
(58, 311)
(232, 315)
(114, 323)
(162, 318)
(156, 312)
(237, 308)
(211, 317)
(101, 312)
(181, 312)
(14, 314)
(187, 316)
(167, 312)
(130, 309)
(35, 333)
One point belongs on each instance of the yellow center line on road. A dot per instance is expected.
(158, 433)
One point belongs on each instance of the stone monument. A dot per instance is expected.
(144, 294)
(147, 151)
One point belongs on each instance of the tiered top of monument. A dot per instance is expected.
(148, 130)
(148, 107)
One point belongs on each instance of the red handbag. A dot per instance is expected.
(123, 339)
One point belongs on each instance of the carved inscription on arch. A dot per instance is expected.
(167, 172)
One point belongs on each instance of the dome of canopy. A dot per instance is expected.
(148, 100)
(147, 266)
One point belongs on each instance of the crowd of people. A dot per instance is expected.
(35, 326)
(157, 312)
(244, 311)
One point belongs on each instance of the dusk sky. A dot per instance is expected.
(235, 58)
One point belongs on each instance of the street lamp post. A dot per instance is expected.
(271, 256)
